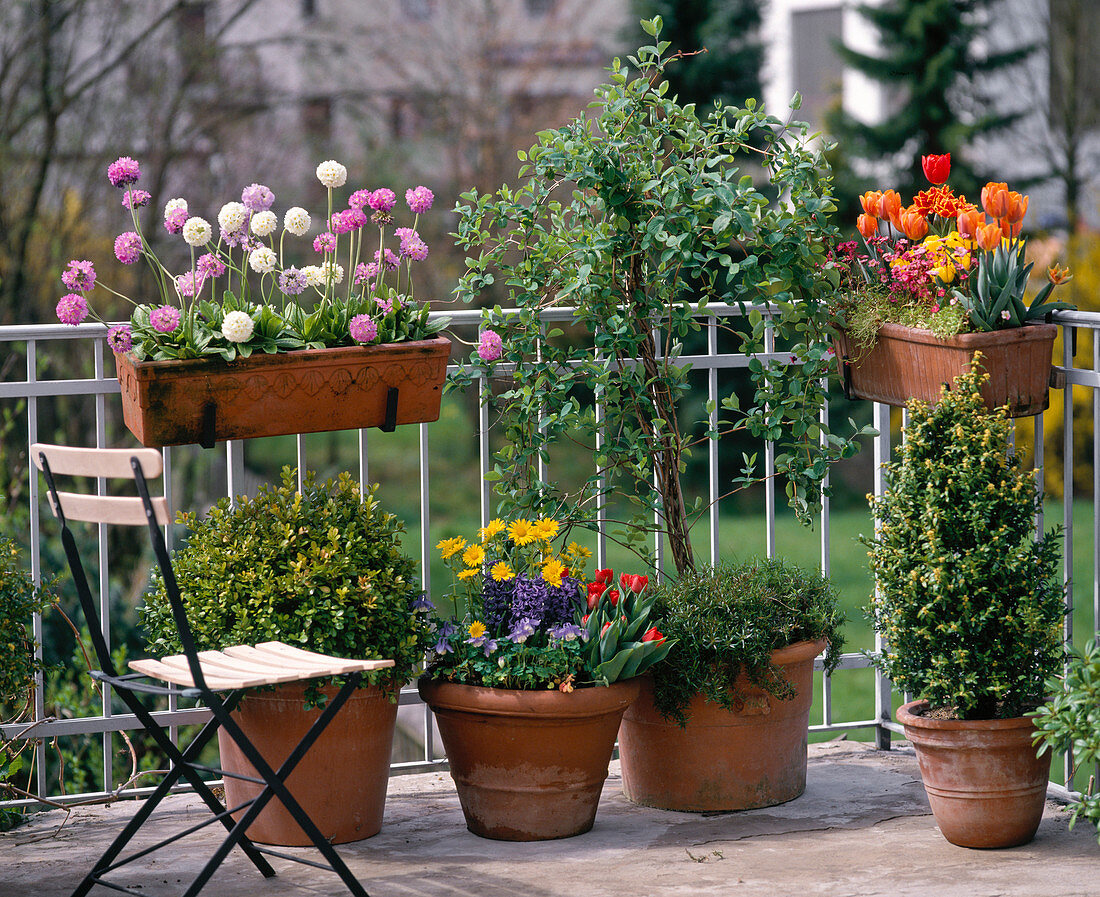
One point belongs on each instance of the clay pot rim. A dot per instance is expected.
(907, 717)
(596, 701)
(798, 651)
(1027, 333)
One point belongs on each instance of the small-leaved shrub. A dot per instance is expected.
(730, 619)
(1070, 720)
(968, 600)
(19, 600)
(321, 569)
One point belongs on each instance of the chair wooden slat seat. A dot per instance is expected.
(243, 666)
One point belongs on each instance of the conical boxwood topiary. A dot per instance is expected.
(968, 599)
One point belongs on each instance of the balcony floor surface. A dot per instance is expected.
(863, 827)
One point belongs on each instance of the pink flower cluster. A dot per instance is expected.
(124, 171)
(363, 329)
(490, 347)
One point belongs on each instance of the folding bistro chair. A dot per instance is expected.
(218, 678)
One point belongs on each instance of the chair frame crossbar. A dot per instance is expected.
(183, 764)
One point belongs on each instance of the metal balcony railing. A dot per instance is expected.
(27, 396)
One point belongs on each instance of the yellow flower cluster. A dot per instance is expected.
(522, 533)
(952, 254)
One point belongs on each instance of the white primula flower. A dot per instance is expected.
(262, 260)
(173, 204)
(232, 216)
(197, 232)
(264, 223)
(296, 220)
(332, 174)
(315, 276)
(333, 270)
(237, 326)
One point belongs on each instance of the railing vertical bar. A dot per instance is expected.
(364, 465)
(712, 444)
(601, 488)
(300, 458)
(882, 684)
(484, 489)
(36, 564)
(169, 498)
(426, 561)
(826, 507)
(1095, 490)
(769, 467)
(234, 468)
(104, 571)
(1067, 513)
(1040, 475)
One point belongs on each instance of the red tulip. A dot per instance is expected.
(595, 590)
(936, 168)
(604, 576)
(606, 626)
(634, 583)
(653, 634)
(867, 225)
(613, 597)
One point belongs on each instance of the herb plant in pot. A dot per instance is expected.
(721, 723)
(322, 569)
(970, 606)
(530, 679)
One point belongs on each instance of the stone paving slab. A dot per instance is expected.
(863, 827)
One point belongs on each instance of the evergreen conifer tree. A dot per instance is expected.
(729, 30)
(931, 56)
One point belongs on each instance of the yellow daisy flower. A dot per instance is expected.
(491, 529)
(473, 556)
(546, 529)
(449, 547)
(578, 552)
(469, 574)
(552, 571)
(523, 532)
(501, 571)
(476, 629)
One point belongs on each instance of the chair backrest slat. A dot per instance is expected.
(97, 462)
(127, 511)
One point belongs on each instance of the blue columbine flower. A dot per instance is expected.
(566, 632)
(522, 631)
(443, 647)
(422, 602)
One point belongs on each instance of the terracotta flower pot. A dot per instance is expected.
(341, 782)
(985, 784)
(305, 391)
(907, 363)
(528, 765)
(753, 756)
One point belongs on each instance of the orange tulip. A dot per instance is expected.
(1017, 207)
(968, 221)
(988, 236)
(872, 203)
(891, 207)
(913, 224)
(1010, 229)
(867, 225)
(995, 199)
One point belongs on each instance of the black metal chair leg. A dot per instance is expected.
(276, 787)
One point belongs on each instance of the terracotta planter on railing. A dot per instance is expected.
(907, 363)
(304, 391)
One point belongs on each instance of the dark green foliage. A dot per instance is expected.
(930, 55)
(321, 569)
(729, 32)
(729, 619)
(968, 600)
(19, 600)
(1071, 721)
